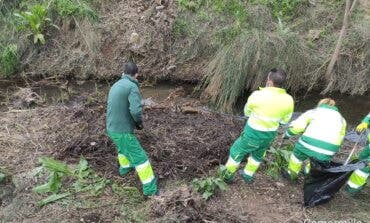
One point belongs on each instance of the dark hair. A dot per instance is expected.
(130, 68)
(277, 76)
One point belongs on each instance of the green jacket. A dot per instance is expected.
(124, 109)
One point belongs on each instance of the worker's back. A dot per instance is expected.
(119, 118)
(326, 124)
(267, 108)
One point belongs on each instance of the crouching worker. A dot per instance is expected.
(124, 114)
(358, 178)
(266, 108)
(323, 130)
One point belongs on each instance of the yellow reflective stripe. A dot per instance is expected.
(357, 179)
(148, 180)
(249, 173)
(232, 165)
(253, 161)
(316, 149)
(251, 167)
(145, 172)
(353, 185)
(259, 127)
(142, 166)
(295, 159)
(295, 164)
(123, 161)
(362, 174)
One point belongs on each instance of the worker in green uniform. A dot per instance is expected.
(323, 129)
(358, 178)
(124, 114)
(266, 108)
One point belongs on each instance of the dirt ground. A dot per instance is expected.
(182, 144)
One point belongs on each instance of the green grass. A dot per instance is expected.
(9, 60)
(283, 9)
(79, 8)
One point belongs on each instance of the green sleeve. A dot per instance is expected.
(136, 108)
(367, 119)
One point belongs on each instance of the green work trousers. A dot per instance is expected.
(132, 155)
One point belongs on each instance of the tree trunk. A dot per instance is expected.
(334, 58)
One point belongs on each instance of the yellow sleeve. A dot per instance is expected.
(251, 103)
(299, 125)
(289, 113)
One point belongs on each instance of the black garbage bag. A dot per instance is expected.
(326, 179)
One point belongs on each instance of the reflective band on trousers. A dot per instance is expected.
(355, 186)
(145, 172)
(261, 128)
(295, 159)
(251, 167)
(361, 174)
(232, 165)
(123, 161)
(316, 149)
(142, 166)
(249, 173)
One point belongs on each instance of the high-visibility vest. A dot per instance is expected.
(267, 108)
(323, 130)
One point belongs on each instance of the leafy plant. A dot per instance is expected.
(9, 59)
(85, 180)
(35, 21)
(209, 186)
(280, 159)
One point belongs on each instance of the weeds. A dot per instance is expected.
(181, 28)
(35, 21)
(209, 186)
(280, 159)
(80, 8)
(9, 60)
(85, 180)
(284, 9)
(244, 64)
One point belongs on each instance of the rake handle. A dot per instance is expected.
(353, 149)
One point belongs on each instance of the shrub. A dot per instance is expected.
(9, 59)
(35, 21)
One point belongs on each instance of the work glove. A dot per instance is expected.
(361, 127)
(139, 125)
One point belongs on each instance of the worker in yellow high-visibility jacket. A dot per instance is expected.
(359, 177)
(323, 129)
(266, 108)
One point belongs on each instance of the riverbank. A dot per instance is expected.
(183, 142)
